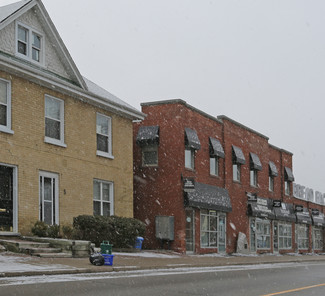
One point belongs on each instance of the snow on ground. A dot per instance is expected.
(149, 254)
(15, 263)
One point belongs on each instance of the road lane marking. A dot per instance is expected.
(294, 290)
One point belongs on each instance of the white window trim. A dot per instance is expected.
(253, 182)
(214, 173)
(49, 140)
(209, 231)
(149, 148)
(284, 236)
(45, 174)
(29, 57)
(111, 202)
(108, 154)
(7, 128)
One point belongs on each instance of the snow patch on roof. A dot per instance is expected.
(100, 92)
(9, 9)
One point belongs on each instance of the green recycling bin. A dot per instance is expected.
(106, 248)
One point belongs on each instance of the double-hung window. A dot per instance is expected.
(288, 179)
(150, 155)
(192, 143)
(273, 172)
(104, 135)
(103, 198)
(5, 106)
(216, 152)
(238, 159)
(255, 166)
(54, 121)
(29, 43)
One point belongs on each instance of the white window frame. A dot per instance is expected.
(209, 214)
(149, 148)
(318, 238)
(286, 236)
(111, 195)
(107, 154)
(50, 140)
(236, 172)
(214, 166)
(189, 158)
(262, 235)
(253, 178)
(7, 128)
(29, 44)
(287, 188)
(302, 236)
(55, 197)
(271, 183)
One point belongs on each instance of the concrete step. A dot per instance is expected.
(32, 251)
(53, 255)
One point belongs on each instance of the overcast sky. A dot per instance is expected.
(261, 63)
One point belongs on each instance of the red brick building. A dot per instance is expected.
(200, 181)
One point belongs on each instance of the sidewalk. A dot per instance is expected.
(12, 264)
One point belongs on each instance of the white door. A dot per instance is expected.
(49, 198)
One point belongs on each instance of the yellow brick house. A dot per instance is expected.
(65, 143)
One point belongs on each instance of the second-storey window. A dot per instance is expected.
(189, 158)
(238, 159)
(29, 43)
(214, 165)
(54, 121)
(103, 130)
(5, 106)
(253, 178)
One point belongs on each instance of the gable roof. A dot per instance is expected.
(10, 9)
(93, 93)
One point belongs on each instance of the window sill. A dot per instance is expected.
(104, 154)
(54, 142)
(6, 130)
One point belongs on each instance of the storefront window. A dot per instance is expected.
(263, 237)
(285, 236)
(209, 228)
(318, 238)
(302, 234)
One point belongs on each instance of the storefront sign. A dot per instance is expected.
(189, 185)
(251, 196)
(277, 203)
(315, 212)
(308, 194)
(299, 209)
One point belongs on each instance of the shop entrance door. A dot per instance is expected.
(189, 230)
(49, 199)
(222, 233)
(6, 198)
(275, 237)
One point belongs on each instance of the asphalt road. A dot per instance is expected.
(294, 279)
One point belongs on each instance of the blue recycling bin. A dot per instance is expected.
(138, 243)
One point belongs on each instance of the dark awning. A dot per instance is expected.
(191, 139)
(273, 170)
(148, 135)
(304, 217)
(216, 148)
(318, 220)
(238, 155)
(288, 176)
(209, 197)
(285, 212)
(255, 162)
(262, 208)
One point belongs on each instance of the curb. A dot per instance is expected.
(138, 268)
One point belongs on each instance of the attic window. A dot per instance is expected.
(29, 43)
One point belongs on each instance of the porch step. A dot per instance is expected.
(38, 250)
(53, 255)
